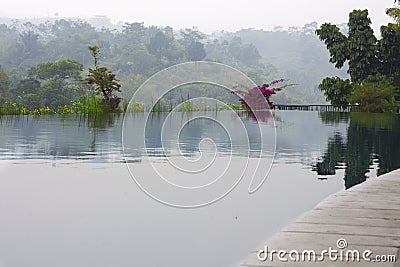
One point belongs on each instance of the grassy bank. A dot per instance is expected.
(92, 105)
(84, 105)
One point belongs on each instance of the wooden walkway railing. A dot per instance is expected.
(321, 108)
(315, 107)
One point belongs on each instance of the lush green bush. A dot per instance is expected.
(372, 98)
(88, 105)
(15, 109)
(12, 109)
(43, 111)
(336, 91)
(375, 94)
(64, 110)
(84, 105)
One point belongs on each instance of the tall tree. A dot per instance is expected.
(135, 32)
(196, 51)
(192, 43)
(362, 46)
(59, 70)
(388, 50)
(191, 35)
(374, 66)
(358, 48)
(4, 83)
(158, 44)
(60, 82)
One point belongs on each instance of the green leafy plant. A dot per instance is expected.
(43, 111)
(64, 110)
(373, 96)
(88, 105)
(336, 91)
(12, 109)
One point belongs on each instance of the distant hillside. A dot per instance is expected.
(297, 54)
(135, 51)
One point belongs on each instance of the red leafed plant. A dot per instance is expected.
(104, 81)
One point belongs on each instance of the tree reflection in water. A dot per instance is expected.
(371, 138)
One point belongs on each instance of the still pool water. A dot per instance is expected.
(74, 192)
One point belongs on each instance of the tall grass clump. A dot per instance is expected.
(136, 107)
(12, 109)
(88, 105)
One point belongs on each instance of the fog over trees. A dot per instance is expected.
(135, 51)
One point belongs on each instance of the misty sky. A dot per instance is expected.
(208, 15)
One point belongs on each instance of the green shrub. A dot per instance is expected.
(88, 105)
(187, 106)
(12, 109)
(64, 110)
(375, 94)
(336, 91)
(136, 107)
(231, 106)
(43, 111)
(372, 98)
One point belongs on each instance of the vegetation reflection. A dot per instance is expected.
(371, 138)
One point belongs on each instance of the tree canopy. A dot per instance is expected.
(368, 59)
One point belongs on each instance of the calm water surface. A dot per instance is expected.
(67, 197)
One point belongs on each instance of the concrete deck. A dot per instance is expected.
(366, 216)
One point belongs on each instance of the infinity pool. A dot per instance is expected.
(188, 189)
